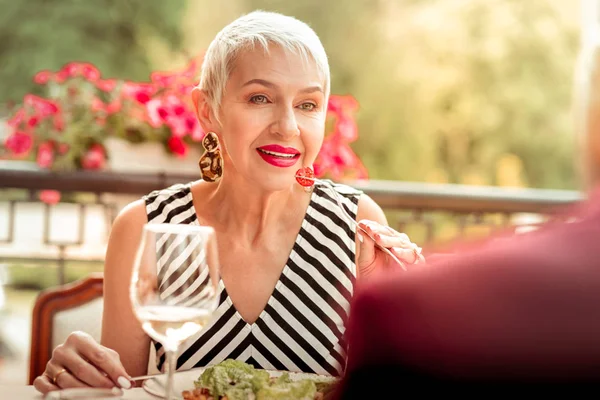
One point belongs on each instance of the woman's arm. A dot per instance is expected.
(121, 331)
(80, 361)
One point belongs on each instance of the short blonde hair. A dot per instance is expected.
(257, 28)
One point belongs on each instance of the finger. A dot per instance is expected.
(105, 359)
(393, 241)
(392, 232)
(373, 228)
(80, 368)
(366, 255)
(408, 255)
(66, 380)
(43, 384)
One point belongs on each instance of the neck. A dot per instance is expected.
(248, 210)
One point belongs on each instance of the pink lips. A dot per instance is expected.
(279, 160)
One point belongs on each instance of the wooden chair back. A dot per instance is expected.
(56, 305)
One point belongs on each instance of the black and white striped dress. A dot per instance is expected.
(302, 326)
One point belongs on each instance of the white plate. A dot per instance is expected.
(184, 380)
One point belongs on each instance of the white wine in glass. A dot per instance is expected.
(174, 285)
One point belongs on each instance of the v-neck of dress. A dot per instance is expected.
(291, 258)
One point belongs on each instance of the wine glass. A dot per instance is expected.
(174, 285)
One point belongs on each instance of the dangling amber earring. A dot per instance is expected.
(211, 162)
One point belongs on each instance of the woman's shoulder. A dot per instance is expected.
(359, 203)
(171, 204)
(349, 197)
(131, 218)
(177, 190)
(345, 190)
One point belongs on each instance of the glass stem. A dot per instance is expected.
(171, 358)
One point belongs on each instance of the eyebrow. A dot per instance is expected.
(271, 85)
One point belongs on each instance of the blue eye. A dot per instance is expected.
(259, 99)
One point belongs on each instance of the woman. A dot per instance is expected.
(288, 258)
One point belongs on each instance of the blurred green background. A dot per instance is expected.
(451, 91)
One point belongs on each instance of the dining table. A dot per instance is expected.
(153, 386)
(22, 392)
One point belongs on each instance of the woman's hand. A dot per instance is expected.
(82, 362)
(371, 258)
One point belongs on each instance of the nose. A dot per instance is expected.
(287, 125)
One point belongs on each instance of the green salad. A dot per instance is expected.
(236, 380)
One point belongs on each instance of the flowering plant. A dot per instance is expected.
(67, 129)
(336, 158)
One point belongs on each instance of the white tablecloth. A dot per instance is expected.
(29, 393)
(183, 380)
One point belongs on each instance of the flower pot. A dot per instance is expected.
(149, 157)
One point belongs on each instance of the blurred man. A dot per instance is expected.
(514, 314)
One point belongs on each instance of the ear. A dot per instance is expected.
(205, 115)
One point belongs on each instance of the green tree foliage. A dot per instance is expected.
(460, 91)
(510, 95)
(475, 92)
(112, 34)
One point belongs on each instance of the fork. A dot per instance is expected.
(160, 374)
(338, 200)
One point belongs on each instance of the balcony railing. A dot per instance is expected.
(77, 227)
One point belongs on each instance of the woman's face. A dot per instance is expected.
(272, 116)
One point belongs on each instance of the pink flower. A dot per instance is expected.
(42, 107)
(183, 89)
(71, 69)
(49, 196)
(196, 131)
(157, 112)
(346, 128)
(162, 113)
(336, 157)
(169, 79)
(140, 92)
(179, 109)
(17, 119)
(142, 97)
(171, 101)
(61, 76)
(45, 155)
(187, 124)
(94, 158)
(178, 125)
(114, 107)
(90, 72)
(97, 105)
(75, 69)
(338, 104)
(318, 168)
(33, 121)
(163, 79)
(19, 143)
(177, 146)
(106, 85)
(42, 77)
(181, 121)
